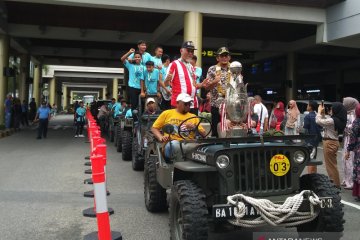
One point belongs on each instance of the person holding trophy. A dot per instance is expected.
(216, 81)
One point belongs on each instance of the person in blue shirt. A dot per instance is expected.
(8, 107)
(157, 58)
(24, 113)
(145, 56)
(311, 127)
(80, 120)
(111, 104)
(136, 72)
(198, 71)
(150, 81)
(165, 91)
(43, 116)
(119, 107)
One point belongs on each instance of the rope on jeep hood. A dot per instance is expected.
(285, 214)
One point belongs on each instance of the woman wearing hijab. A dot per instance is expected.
(354, 147)
(279, 114)
(347, 165)
(333, 126)
(293, 119)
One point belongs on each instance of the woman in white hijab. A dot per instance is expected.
(292, 119)
(347, 165)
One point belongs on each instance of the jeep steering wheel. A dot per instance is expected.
(182, 131)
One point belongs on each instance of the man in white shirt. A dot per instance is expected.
(262, 112)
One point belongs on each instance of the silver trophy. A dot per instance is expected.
(236, 100)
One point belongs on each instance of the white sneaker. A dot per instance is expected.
(76, 136)
(81, 135)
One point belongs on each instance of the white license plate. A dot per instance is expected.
(225, 211)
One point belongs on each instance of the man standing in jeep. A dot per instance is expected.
(175, 117)
(216, 82)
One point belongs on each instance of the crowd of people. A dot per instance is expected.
(174, 87)
(167, 80)
(22, 114)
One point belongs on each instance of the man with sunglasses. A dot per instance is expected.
(181, 76)
(175, 117)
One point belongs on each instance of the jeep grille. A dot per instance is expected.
(252, 173)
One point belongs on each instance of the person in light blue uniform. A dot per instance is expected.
(136, 72)
(43, 116)
(128, 113)
(150, 80)
(111, 104)
(145, 56)
(80, 120)
(116, 108)
(157, 58)
(165, 92)
(198, 71)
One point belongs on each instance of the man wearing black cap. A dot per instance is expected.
(216, 81)
(181, 76)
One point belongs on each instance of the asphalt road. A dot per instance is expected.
(41, 192)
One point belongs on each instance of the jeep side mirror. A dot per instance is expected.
(168, 128)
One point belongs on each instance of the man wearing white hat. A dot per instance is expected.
(175, 117)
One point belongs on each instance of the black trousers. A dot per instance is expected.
(43, 127)
(24, 119)
(134, 97)
(165, 105)
(215, 119)
(79, 127)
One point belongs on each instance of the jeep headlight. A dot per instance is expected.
(299, 157)
(222, 161)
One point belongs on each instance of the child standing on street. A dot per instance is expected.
(80, 120)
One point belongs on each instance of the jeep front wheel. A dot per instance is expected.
(329, 219)
(154, 194)
(137, 160)
(118, 139)
(188, 212)
(126, 142)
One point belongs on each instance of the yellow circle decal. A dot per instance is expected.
(279, 165)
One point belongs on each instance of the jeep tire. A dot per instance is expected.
(126, 142)
(118, 139)
(137, 159)
(188, 212)
(154, 194)
(111, 132)
(329, 219)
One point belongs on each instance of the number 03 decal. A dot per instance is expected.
(279, 165)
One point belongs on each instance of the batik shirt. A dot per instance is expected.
(216, 99)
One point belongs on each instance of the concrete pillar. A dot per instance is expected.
(57, 95)
(52, 92)
(104, 93)
(290, 84)
(64, 97)
(4, 62)
(115, 88)
(71, 97)
(24, 74)
(36, 84)
(193, 24)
